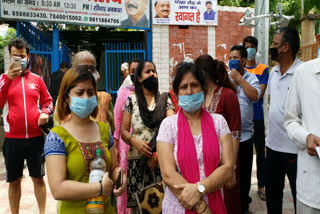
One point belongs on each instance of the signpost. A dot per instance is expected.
(113, 13)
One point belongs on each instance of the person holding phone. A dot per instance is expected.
(21, 94)
(248, 88)
(71, 146)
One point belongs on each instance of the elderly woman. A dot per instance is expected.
(144, 112)
(194, 150)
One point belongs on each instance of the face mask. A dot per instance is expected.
(132, 77)
(251, 53)
(234, 64)
(83, 107)
(191, 103)
(274, 53)
(151, 84)
(24, 64)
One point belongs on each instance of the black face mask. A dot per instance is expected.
(274, 53)
(132, 77)
(151, 84)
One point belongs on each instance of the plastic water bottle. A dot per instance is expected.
(97, 170)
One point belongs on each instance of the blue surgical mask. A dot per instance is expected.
(83, 107)
(251, 53)
(234, 64)
(191, 103)
(24, 64)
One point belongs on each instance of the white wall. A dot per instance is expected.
(160, 54)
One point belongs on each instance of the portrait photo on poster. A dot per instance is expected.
(184, 12)
(138, 13)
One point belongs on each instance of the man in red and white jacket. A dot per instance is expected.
(22, 94)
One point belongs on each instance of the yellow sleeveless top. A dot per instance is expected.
(79, 156)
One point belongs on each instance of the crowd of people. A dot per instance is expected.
(189, 150)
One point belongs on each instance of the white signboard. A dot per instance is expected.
(185, 12)
(115, 13)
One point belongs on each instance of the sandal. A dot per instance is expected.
(261, 195)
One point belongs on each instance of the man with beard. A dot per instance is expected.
(21, 95)
(281, 159)
(162, 8)
(136, 13)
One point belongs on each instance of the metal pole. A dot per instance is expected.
(17, 29)
(262, 31)
(55, 49)
(149, 35)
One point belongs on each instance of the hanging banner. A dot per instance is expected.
(185, 12)
(113, 13)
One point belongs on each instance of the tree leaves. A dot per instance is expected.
(310, 4)
(4, 41)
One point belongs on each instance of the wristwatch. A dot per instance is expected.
(201, 188)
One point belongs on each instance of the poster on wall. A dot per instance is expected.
(185, 12)
(113, 13)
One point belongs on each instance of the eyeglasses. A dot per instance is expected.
(90, 68)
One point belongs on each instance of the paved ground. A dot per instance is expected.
(28, 204)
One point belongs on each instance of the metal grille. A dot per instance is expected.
(41, 50)
(118, 52)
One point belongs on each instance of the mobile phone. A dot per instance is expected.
(119, 180)
(17, 61)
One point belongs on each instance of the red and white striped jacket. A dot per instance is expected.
(21, 99)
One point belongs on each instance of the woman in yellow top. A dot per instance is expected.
(70, 147)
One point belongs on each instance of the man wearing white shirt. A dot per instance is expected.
(281, 159)
(302, 124)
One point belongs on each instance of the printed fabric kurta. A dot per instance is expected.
(137, 167)
(79, 156)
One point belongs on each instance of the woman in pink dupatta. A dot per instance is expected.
(123, 148)
(195, 161)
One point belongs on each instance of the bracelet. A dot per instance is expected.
(131, 136)
(204, 208)
(197, 205)
(101, 190)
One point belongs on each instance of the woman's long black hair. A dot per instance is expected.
(215, 71)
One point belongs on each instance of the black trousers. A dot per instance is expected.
(245, 170)
(278, 165)
(259, 144)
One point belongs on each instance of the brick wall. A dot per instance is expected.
(228, 32)
(186, 43)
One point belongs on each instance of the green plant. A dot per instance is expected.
(4, 41)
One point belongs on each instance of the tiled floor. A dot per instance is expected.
(28, 203)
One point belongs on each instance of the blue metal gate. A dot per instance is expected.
(116, 53)
(43, 60)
